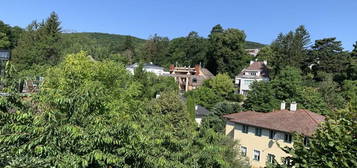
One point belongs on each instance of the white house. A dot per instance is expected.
(256, 71)
(148, 67)
(253, 52)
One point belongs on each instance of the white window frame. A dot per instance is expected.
(270, 160)
(258, 156)
(241, 151)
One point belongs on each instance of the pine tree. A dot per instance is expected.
(354, 51)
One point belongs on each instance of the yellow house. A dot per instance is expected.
(260, 133)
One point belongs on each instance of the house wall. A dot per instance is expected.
(153, 70)
(261, 143)
(198, 120)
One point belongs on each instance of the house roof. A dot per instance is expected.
(145, 66)
(256, 66)
(301, 121)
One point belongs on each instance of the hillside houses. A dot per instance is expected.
(188, 78)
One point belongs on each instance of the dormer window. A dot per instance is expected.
(253, 73)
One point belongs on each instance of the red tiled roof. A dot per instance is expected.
(301, 121)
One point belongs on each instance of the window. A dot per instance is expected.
(253, 73)
(245, 129)
(258, 131)
(243, 150)
(288, 161)
(271, 158)
(271, 134)
(287, 138)
(245, 92)
(194, 80)
(256, 155)
(248, 82)
(306, 141)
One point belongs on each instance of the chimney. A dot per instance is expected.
(172, 68)
(251, 62)
(282, 105)
(265, 62)
(293, 106)
(197, 69)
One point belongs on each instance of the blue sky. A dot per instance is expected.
(262, 20)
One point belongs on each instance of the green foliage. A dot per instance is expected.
(310, 98)
(215, 120)
(287, 86)
(91, 114)
(103, 46)
(204, 96)
(40, 44)
(9, 36)
(155, 50)
(352, 70)
(214, 90)
(330, 91)
(287, 83)
(152, 84)
(221, 84)
(261, 98)
(350, 93)
(266, 54)
(189, 50)
(251, 44)
(328, 56)
(227, 54)
(4, 41)
(75, 123)
(334, 144)
(290, 49)
(354, 51)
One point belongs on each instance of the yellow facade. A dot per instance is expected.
(262, 143)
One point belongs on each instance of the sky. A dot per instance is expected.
(261, 20)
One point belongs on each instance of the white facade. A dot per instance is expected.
(148, 68)
(244, 85)
(255, 72)
(198, 120)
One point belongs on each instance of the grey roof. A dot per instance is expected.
(201, 111)
(146, 66)
(4, 54)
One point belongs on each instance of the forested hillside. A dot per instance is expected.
(103, 39)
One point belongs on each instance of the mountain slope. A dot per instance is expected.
(116, 39)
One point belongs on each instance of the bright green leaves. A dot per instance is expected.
(333, 145)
